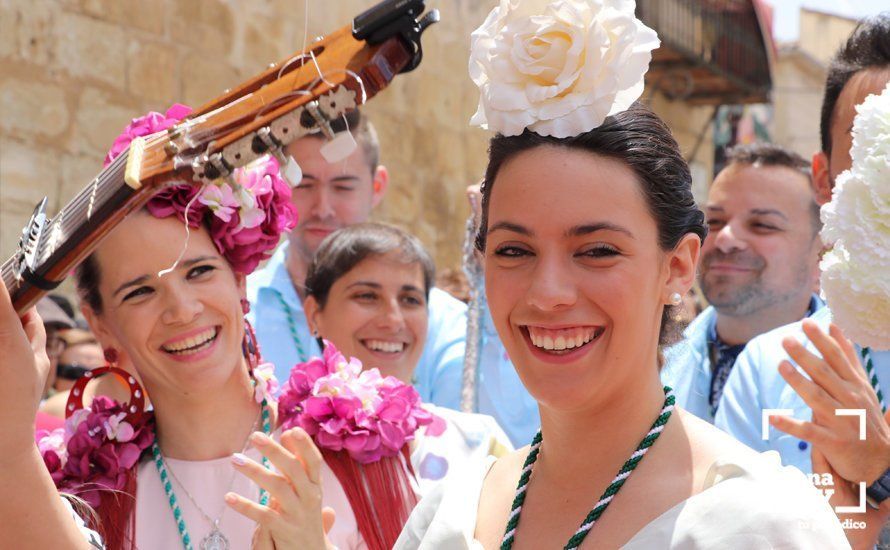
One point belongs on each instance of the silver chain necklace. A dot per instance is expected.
(215, 539)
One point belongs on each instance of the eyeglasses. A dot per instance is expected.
(71, 371)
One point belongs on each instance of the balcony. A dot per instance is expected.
(712, 52)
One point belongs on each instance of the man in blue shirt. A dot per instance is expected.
(757, 271)
(331, 196)
(860, 68)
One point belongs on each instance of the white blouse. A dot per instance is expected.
(748, 501)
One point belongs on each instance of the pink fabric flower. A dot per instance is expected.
(266, 383)
(346, 408)
(246, 222)
(99, 448)
(221, 201)
(149, 124)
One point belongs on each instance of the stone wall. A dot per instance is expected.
(73, 72)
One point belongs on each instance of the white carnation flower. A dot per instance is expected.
(856, 272)
(558, 67)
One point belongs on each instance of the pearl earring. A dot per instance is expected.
(676, 298)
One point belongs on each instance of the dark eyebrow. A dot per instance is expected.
(135, 282)
(586, 229)
(768, 211)
(509, 226)
(345, 178)
(144, 278)
(371, 284)
(714, 208)
(412, 288)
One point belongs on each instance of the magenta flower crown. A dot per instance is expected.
(96, 449)
(345, 408)
(246, 218)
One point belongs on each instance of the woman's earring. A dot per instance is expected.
(676, 298)
(111, 357)
(245, 306)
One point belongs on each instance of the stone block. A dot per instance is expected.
(29, 30)
(98, 121)
(33, 107)
(206, 25)
(146, 15)
(92, 49)
(152, 72)
(206, 80)
(27, 174)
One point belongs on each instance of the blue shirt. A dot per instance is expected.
(277, 315)
(755, 384)
(688, 369)
(499, 392)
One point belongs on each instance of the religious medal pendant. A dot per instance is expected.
(215, 540)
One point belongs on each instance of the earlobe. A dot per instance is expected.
(380, 183)
(683, 263)
(311, 309)
(821, 178)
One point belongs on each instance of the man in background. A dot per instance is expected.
(757, 271)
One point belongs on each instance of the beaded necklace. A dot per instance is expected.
(292, 325)
(168, 486)
(608, 494)
(873, 377)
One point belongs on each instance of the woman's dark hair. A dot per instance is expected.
(868, 47)
(642, 141)
(86, 279)
(344, 249)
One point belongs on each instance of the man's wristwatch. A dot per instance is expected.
(879, 491)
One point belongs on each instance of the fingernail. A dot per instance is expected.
(230, 498)
(258, 438)
(239, 459)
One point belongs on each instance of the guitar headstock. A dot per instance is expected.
(290, 99)
(297, 96)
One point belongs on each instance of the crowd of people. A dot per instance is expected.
(311, 393)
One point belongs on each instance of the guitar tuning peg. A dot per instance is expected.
(288, 167)
(338, 148)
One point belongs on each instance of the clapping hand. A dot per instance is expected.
(837, 381)
(294, 517)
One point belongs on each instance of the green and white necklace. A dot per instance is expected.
(292, 325)
(873, 376)
(608, 494)
(215, 540)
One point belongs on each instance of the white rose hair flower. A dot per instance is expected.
(856, 222)
(558, 67)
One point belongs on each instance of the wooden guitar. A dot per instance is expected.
(299, 95)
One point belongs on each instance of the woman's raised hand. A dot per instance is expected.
(294, 517)
(23, 369)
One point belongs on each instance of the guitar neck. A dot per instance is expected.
(69, 237)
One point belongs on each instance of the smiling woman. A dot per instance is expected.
(166, 288)
(367, 291)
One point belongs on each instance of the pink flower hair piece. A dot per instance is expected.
(146, 125)
(95, 450)
(346, 408)
(245, 219)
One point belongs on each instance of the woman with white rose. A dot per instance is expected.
(590, 237)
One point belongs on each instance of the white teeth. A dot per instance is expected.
(568, 339)
(384, 346)
(191, 344)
